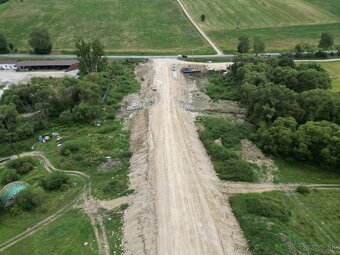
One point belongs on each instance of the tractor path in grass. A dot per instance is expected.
(90, 205)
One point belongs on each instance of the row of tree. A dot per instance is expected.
(245, 45)
(281, 96)
(312, 141)
(258, 45)
(39, 40)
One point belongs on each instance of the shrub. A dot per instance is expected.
(321, 54)
(28, 199)
(267, 207)
(22, 165)
(236, 170)
(54, 180)
(114, 186)
(303, 190)
(8, 176)
(71, 147)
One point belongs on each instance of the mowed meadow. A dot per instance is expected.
(282, 24)
(124, 26)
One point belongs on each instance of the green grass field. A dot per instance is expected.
(124, 26)
(289, 222)
(282, 24)
(334, 70)
(298, 172)
(67, 235)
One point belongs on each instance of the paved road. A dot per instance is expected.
(35, 56)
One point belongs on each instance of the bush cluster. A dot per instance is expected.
(267, 207)
(227, 163)
(295, 113)
(30, 198)
(22, 165)
(55, 180)
(8, 176)
(303, 190)
(66, 100)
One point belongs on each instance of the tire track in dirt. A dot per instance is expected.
(177, 180)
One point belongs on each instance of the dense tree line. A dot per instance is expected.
(65, 101)
(292, 106)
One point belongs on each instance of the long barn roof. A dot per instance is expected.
(46, 63)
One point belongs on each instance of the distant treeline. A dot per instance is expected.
(3, 1)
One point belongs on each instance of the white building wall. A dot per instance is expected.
(8, 67)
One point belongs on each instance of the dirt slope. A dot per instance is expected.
(173, 176)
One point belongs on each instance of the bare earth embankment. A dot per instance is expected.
(177, 207)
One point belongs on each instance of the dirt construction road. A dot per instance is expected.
(192, 216)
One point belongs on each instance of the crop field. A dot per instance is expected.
(290, 222)
(124, 26)
(282, 24)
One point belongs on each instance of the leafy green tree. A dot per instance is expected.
(90, 55)
(279, 137)
(66, 117)
(85, 112)
(326, 41)
(318, 142)
(258, 45)
(313, 79)
(271, 101)
(8, 176)
(202, 17)
(28, 199)
(3, 44)
(54, 180)
(286, 76)
(244, 44)
(12, 126)
(286, 60)
(320, 104)
(298, 48)
(40, 41)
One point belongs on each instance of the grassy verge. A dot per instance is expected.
(221, 138)
(298, 172)
(113, 221)
(290, 223)
(13, 220)
(70, 234)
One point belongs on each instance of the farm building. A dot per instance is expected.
(66, 65)
(8, 64)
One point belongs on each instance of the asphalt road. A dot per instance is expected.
(36, 56)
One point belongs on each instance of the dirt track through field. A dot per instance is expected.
(192, 216)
